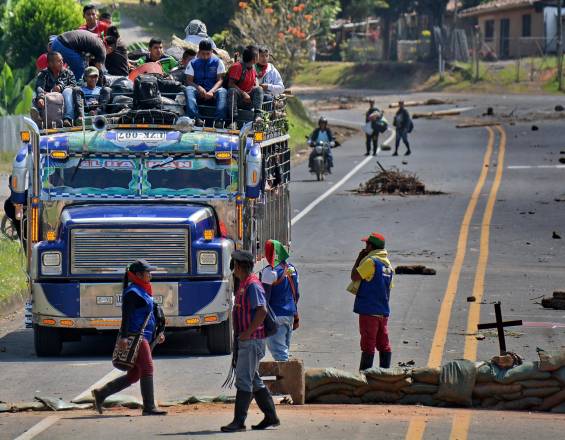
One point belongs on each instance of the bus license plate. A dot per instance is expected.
(141, 136)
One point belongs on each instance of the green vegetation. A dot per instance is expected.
(12, 277)
(153, 19)
(6, 159)
(300, 124)
(15, 96)
(27, 25)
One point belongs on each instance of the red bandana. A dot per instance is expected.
(145, 285)
(261, 70)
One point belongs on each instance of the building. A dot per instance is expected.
(515, 28)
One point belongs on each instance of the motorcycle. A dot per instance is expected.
(320, 158)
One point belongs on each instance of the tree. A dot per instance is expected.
(215, 13)
(15, 97)
(390, 11)
(285, 26)
(434, 8)
(27, 25)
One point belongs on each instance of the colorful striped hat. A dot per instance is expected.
(376, 240)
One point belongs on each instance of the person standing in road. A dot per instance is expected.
(371, 117)
(137, 303)
(249, 313)
(404, 125)
(280, 280)
(371, 278)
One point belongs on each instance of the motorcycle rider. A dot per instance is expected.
(321, 134)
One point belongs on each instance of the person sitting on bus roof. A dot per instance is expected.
(106, 17)
(92, 24)
(179, 73)
(196, 31)
(244, 90)
(204, 77)
(157, 55)
(117, 63)
(93, 97)
(268, 76)
(58, 79)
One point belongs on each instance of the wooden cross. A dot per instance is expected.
(499, 326)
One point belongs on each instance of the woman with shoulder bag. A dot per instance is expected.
(139, 315)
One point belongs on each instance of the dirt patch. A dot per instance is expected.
(395, 182)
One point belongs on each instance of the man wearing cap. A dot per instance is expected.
(371, 278)
(93, 97)
(137, 307)
(250, 310)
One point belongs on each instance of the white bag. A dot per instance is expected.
(368, 128)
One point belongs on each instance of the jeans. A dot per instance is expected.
(192, 101)
(73, 59)
(279, 343)
(249, 355)
(235, 100)
(69, 110)
(401, 134)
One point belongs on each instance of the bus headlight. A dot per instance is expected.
(207, 262)
(51, 263)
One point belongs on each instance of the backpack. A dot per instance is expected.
(53, 111)
(226, 82)
(146, 93)
(122, 86)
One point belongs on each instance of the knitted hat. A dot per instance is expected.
(376, 240)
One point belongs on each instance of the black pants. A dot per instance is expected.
(374, 139)
(235, 101)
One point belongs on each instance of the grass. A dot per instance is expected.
(300, 124)
(6, 159)
(12, 277)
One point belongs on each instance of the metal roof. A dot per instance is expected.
(496, 6)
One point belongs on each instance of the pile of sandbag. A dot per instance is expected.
(536, 385)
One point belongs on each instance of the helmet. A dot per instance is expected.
(322, 120)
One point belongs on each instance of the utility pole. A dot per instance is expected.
(559, 45)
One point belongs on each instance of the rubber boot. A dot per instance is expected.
(112, 387)
(267, 406)
(366, 361)
(242, 401)
(385, 358)
(147, 393)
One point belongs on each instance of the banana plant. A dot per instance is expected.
(15, 96)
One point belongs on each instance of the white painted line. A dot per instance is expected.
(527, 167)
(38, 428)
(335, 187)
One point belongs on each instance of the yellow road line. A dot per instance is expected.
(416, 428)
(479, 283)
(442, 326)
(460, 427)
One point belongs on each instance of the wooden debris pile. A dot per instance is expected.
(393, 181)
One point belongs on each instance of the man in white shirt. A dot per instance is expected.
(268, 76)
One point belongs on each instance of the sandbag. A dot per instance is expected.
(540, 392)
(551, 361)
(494, 389)
(552, 401)
(511, 396)
(386, 374)
(58, 404)
(379, 385)
(525, 403)
(550, 383)
(426, 375)
(527, 371)
(489, 402)
(456, 382)
(331, 388)
(559, 375)
(315, 377)
(420, 388)
(338, 399)
(418, 399)
(380, 397)
(559, 409)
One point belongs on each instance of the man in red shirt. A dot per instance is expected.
(243, 89)
(89, 12)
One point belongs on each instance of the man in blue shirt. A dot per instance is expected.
(204, 77)
(280, 280)
(94, 98)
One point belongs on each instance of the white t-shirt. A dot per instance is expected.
(189, 71)
(268, 275)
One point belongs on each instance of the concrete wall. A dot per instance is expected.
(518, 46)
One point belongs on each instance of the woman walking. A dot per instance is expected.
(137, 305)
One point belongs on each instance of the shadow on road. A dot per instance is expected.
(195, 433)
(17, 346)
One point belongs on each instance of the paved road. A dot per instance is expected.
(496, 244)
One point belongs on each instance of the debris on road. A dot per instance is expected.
(562, 160)
(559, 108)
(432, 101)
(440, 114)
(556, 302)
(556, 236)
(471, 299)
(535, 128)
(393, 181)
(477, 124)
(414, 270)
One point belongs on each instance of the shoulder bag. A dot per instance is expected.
(125, 359)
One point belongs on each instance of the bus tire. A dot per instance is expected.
(47, 341)
(219, 338)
